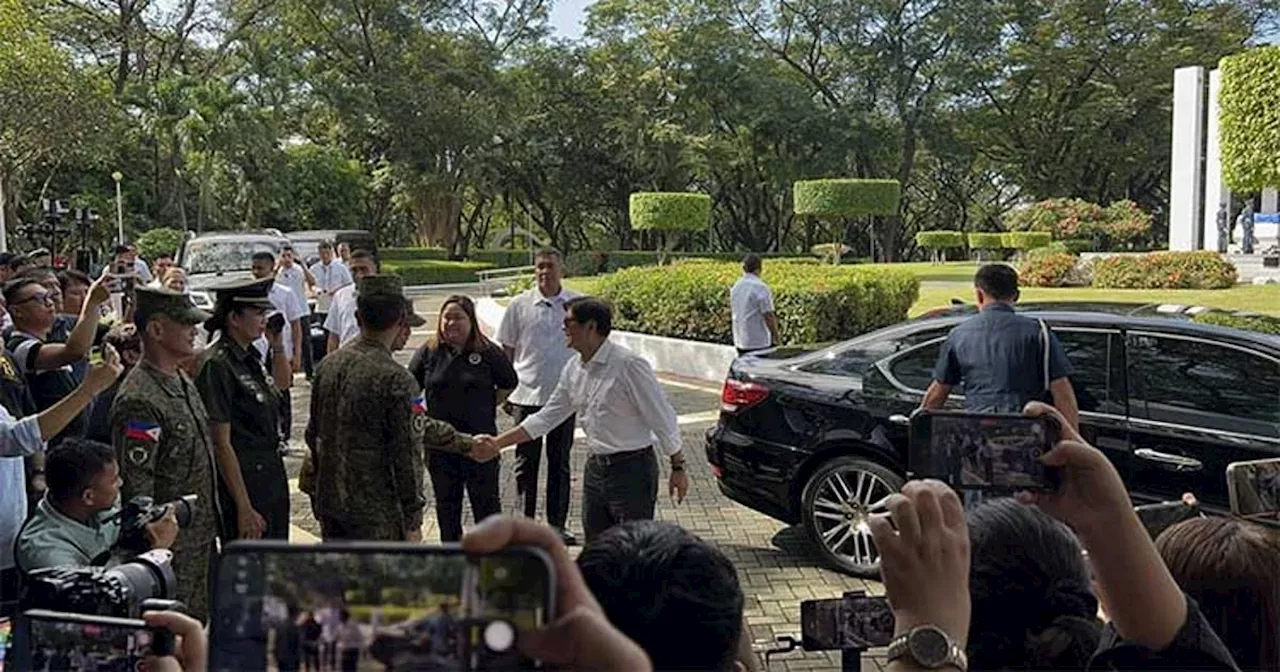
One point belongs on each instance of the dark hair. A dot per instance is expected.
(38, 273)
(677, 596)
(1031, 592)
(221, 311)
(475, 340)
(163, 255)
(16, 285)
(584, 309)
(286, 248)
(123, 336)
(70, 275)
(5, 258)
(18, 261)
(751, 263)
(380, 312)
(1232, 569)
(263, 255)
(549, 253)
(121, 249)
(324, 245)
(71, 466)
(999, 281)
(366, 254)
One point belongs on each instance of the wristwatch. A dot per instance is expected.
(930, 648)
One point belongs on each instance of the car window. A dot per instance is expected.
(915, 369)
(1214, 386)
(1097, 369)
(858, 357)
(220, 256)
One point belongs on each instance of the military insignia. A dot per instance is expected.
(418, 404)
(7, 369)
(137, 430)
(139, 455)
(420, 423)
(474, 358)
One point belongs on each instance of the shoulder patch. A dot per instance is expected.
(141, 430)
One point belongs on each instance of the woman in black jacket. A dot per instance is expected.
(464, 376)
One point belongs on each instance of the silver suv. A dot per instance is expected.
(214, 258)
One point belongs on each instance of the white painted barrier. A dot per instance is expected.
(692, 359)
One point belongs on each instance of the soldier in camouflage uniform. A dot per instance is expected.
(161, 435)
(367, 428)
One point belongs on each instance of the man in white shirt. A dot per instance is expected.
(327, 276)
(293, 307)
(296, 277)
(341, 320)
(532, 335)
(621, 407)
(755, 326)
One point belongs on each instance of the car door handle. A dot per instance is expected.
(1172, 462)
(900, 419)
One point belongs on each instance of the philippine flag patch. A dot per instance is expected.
(418, 404)
(142, 431)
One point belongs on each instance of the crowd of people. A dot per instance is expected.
(203, 408)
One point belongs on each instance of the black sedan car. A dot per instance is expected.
(815, 438)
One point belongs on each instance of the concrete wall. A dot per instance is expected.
(1185, 197)
(691, 359)
(1215, 190)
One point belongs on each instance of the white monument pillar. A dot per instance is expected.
(1269, 200)
(1215, 190)
(1185, 174)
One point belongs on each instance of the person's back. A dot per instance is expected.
(690, 616)
(1030, 591)
(751, 305)
(1231, 568)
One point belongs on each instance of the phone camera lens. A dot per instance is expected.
(499, 636)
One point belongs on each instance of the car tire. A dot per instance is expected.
(833, 508)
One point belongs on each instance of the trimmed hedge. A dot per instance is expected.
(1164, 270)
(986, 241)
(412, 254)
(1243, 321)
(668, 211)
(1077, 245)
(435, 272)
(814, 303)
(607, 261)
(1025, 240)
(1047, 267)
(844, 197)
(940, 240)
(1249, 114)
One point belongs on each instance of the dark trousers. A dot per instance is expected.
(308, 355)
(286, 414)
(267, 484)
(746, 351)
(617, 488)
(559, 441)
(350, 660)
(10, 584)
(452, 474)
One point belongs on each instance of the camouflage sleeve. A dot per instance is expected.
(440, 435)
(406, 451)
(136, 434)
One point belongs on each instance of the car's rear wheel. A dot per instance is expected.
(835, 502)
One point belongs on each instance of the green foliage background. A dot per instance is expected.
(1249, 114)
(670, 211)
(846, 197)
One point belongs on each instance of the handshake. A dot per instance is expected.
(484, 448)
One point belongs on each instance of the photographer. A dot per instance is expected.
(74, 525)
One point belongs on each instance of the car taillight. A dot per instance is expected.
(738, 395)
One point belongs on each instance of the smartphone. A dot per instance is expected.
(982, 451)
(64, 641)
(1253, 488)
(855, 621)
(402, 606)
(275, 323)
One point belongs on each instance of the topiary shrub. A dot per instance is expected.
(163, 240)
(986, 245)
(846, 197)
(938, 242)
(1249, 118)
(1164, 270)
(1048, 268)
(1244, 321)
(814, 303)
(1025, 240)
(661, 211)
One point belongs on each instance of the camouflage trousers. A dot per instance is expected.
(193, 567)
(335, 530)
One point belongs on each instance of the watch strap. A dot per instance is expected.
(899, 647)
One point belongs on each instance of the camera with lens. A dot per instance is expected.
(144, 582)
(140, 512)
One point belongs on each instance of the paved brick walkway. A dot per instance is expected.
(774, 563)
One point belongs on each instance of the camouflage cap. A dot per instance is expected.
(383, 284)
(162, 301)
(411, 316)
(247, 292)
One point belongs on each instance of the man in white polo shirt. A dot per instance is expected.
(532, 335)
(755, 326)
(341, 320)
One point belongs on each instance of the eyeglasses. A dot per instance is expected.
(45, 297)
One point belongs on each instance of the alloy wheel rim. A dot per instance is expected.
(841, 511)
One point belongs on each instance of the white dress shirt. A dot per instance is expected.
(292, 307)
(619, 403)
(329, 279)
(293, 278)
(341, 320)
(18, 439)
(751, 299)
(140, 267)
(533, 326)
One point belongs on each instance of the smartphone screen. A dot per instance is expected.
(376, 606)
(982, 451)
(852, 622)
(1254, 487)
(79, 642)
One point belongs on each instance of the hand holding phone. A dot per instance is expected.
(275, 323)
(982, 451)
